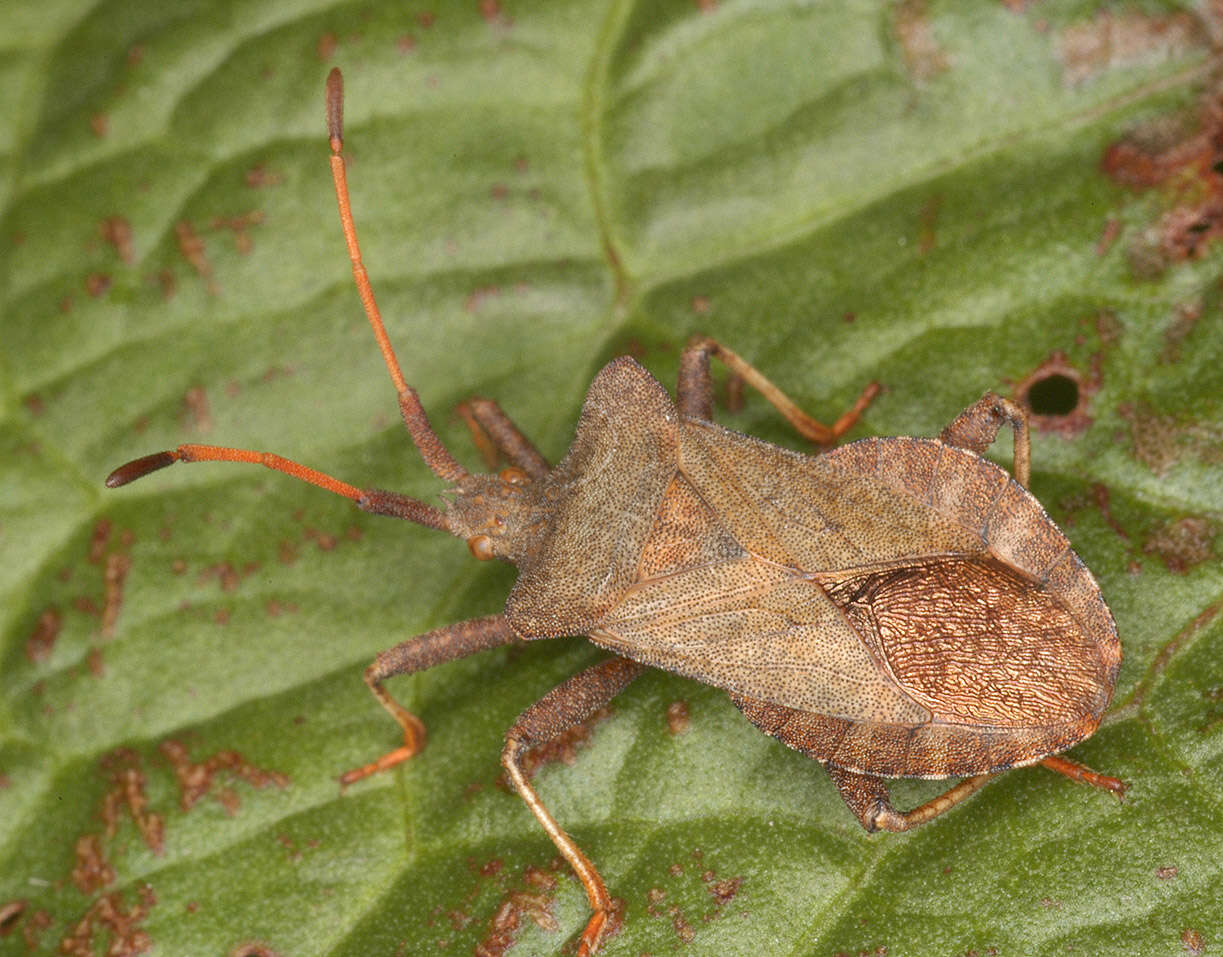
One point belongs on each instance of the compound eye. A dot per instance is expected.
(514, 476)
(482, 547)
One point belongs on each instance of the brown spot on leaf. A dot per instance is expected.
(118, 564)
(1152, 437)
(1168, 872)
(195, 780)
(192, 249)
(41, 642)
(923, 55)
(197, 411)
(722, 891)
(1184, 161)
(683, 930)
(97, 283)
(325, 541)
(677, 717)
(1103, 501)
(1182, 544)
(494, 15)
(95, 663)
(1192, 941)
(91, 870)
(259, 176)
(227, 574)
(98, 540)
(110, 922)
(240, 226)
(1161, 441)
(32, 932)
(479, 296)
(504, 927)
(326, 46)
(1117, 40)
(99, 124)
(127, 792)
(117, 231)
(540, 877)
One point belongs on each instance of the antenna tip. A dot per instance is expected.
(335, 104)
(139, 468)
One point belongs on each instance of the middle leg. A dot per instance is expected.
(695, 391)
(566, 705)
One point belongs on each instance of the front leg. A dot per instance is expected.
(416, 654)
(495, 434)
(695, 391)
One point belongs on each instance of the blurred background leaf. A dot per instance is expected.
(948, 197)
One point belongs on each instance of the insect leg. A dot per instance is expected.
(695, 391)
(495, 432)
(977, 427)
(417, 654)
(868, 798)
(557, 711)
(1080, 772)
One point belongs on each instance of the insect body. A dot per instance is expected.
(897, 607)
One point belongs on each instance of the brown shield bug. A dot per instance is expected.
(896, 607)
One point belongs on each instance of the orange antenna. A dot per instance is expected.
(436, 456)
(377, 501)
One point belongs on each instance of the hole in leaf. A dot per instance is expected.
(1054, 395)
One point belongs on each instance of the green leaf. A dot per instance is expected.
(906, 192)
